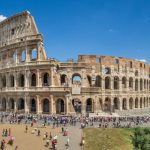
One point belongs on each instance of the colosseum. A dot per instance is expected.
(32, 83)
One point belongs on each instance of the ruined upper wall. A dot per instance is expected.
(16, 27)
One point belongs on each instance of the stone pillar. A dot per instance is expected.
(7, 104)
(95, 103)
(37, 78)
(38, 52)
(133, 103)
(83, 78)
(38, 104)
(127, 104)
(83, 105)
(120, 103)
(67, 104)
(52, 103)
(27, 101)
(133, 84)
(27, 51)
(15, 106)
(127, 83)
(112, 83)
(103, 84)
(120, 84)
(52, 76)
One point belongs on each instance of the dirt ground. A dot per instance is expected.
(26, 141)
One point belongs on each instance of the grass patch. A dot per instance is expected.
(108, 139)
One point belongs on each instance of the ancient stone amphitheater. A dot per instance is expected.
(32, 83)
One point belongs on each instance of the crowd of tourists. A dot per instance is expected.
(63, 122)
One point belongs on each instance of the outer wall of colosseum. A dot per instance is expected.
(32, 83)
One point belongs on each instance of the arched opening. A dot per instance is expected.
(60, 106)
(63, 79)
(21, 104)
(107, 82)
(34, 55)
(4, 81)
(131, 82)
(98, 81)
(107, 70)
(131, 103)
(141, 103)
(46, 106)
(124, 82)
(46, 79)
(107, 105)
(89, 105)
(136, 103)
(4, 104)
(33, 105)
(89, 80)
(76, 79)
(141, 84)
(11, 103)
(76, 105)
(136, 84)
(23, 56)
(124, 104)
(116, 103)
(12, 82)
(116, 83)
(21, 80)
(33, 79)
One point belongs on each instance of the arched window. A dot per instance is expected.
(21, 104)
(60, 106)
(124, 104)
(76, 79)
(107, 82)
(144, 83)
(98, 81)
(116, 83)
(46, 79)
(23, 56)
(136, 84)
(21, 80)
(89, 105)
(34, 55)
(76, 105)
(124, 82)
(116, 103)
(46, 106)
(12, 81)
(33, 79)
(11, 103)
(63, 79)
(136, 103)
(33, 105)
(131, 82)
(141, 84)
(107, 70)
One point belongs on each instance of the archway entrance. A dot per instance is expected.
(45, 106)
(11, 103)
(4, 104)
(60, 106)
(107, 105)
(89, 105)
(33, 105)
(21, 104)
(76, 105)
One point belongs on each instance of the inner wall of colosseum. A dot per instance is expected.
(32, 83)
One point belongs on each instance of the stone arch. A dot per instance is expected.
(11, 104)
(46, 79)
(63, 79)
(12, 81)
(23, 56)
(34, 54)
(131, 82)
(45, 105)
(89, 105)
(33, 105)
(124, 82)
(33, 79)
(21, 80)
(116, 82)
(60, 106)
(136, 103)
(107, 82)
(98, 81)
(21, 104)
(136, 84)
(76, 79)
(141, 102)
(107, 104)
(131, 103)
(116, 103)
(124, 104)
(76, 105)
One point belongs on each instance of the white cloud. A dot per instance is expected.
(143, 60)
(2, 18)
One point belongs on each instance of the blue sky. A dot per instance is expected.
(102, 27)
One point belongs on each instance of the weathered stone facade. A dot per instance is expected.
(32, 83)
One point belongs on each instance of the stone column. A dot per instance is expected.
(83, 78)
(133, 103)
(120, 84)
(111, 83)
(103, 83)
(67, 104)
(37, 78)
(83, 105)
(27, 101)
(95, 103)
(120, 103)
(52, 102)
(38, 104)
(38, 52)
(27, 51)
(127, 104)
(52, 76)
(15, 106)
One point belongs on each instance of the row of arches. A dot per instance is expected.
(21, 80)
